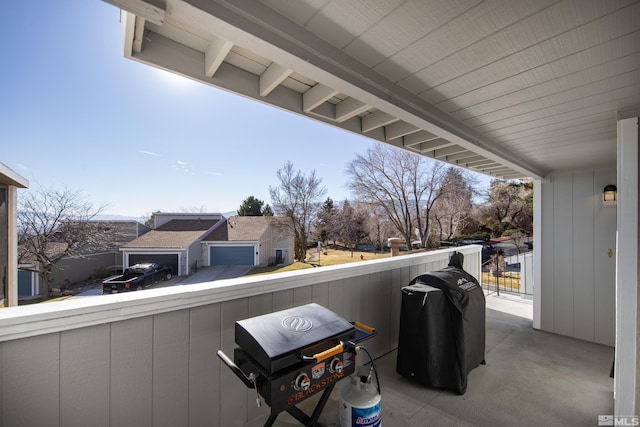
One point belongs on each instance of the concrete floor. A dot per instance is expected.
(531, 378)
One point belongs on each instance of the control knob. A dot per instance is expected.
(335, 366)
(302, 382)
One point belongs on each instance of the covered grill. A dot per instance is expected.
(442, 327)
(291, 355)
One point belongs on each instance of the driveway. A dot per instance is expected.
(217, 272)
(206, 274)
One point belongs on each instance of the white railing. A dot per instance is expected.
(148, 358)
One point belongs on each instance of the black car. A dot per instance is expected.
(137, 277)
(487, 248)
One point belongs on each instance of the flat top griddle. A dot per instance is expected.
(291, 355)
(277, 340)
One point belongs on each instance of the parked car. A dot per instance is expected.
(136, 278)
(487, 248)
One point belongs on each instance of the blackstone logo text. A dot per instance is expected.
(618, 420)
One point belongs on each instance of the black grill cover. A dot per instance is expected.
(442, 327)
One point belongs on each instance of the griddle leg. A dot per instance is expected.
(307, 421)
(313, 420)
(271, 420)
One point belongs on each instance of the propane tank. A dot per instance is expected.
(360, 403)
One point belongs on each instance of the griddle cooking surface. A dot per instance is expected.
(273, 336)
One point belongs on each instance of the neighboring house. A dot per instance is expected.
(73, 269)
(249, 240)
(174, 241)
(9, 184)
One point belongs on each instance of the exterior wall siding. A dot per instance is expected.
(75, 269)
(577, 297)
(158, 367)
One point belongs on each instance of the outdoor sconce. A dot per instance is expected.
(610, 193)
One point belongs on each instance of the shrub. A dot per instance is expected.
(511, 231)
(101, 272)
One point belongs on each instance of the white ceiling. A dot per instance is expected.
(509, 88)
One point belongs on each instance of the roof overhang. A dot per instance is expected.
(518, 103)
(9, 177)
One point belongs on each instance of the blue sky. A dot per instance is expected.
(74, 112)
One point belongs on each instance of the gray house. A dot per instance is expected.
(249, 240)
(187, 241)
(174, 241)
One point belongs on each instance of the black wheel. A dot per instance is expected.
(168, 276)
(139, 288)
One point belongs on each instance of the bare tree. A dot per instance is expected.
(453, 211)
(378, 226)
(53, 224)
(404, 185)
(297, 198)
(351, 225)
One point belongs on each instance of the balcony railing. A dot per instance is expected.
(149, 358)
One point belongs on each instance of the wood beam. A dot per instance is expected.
(217, 50)
(151, 10)
(418, 137)
(495, 168)
(443, 152)
(396, 130)
(377, 120)
(480, 163)
(138, 35)
(463, 156)
(272, 77)
(430, 146)
(315, 96)
(349, 108)
(466, 160)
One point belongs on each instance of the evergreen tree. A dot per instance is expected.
(251, 207)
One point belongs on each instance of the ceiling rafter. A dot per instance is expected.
(418, 137)
(377, 120)
(443, 152)
(349, 108)
(398, 129)
(429, 146)
(217, 51)
(317, 95)
(272, 77)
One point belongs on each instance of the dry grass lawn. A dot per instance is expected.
(327, 257)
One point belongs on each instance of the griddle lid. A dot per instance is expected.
(283, 332)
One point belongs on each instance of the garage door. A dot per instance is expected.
(231, 255)
(163, 259)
